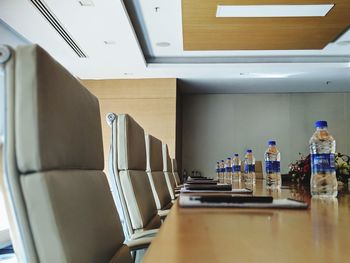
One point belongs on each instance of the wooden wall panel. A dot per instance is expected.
(151, 102)
(202, 30)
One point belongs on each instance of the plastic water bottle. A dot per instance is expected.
(323, 181)
(222, 171)
(228, 170)
(249, 167)
(185, 175)
(236, 168)
(217, 170)
(273, 166)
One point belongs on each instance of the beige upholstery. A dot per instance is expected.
(167, 168)
(83, 227)
(68, 205)
(155, 173)
(47, 89)
(117, 189)
(131, 144)
(175, 173)
(132, 171)
(139, 198)
(153, 153)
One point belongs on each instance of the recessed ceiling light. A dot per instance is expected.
(109, 42)
(163, 44)
(343, 43)
(86, 3)
(273, 10)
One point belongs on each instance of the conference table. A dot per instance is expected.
(319, 234)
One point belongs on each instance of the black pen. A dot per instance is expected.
(232, 199)
(223, 187)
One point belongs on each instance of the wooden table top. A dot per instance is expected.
(319, 234)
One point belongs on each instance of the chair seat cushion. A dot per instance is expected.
(72, 216)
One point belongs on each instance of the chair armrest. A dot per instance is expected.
(144, 233)
(140, 243)
(163, 213)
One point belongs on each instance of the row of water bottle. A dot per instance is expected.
(323, 182)
(229, 171)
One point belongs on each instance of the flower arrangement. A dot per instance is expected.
(300, 170)
(342, 166)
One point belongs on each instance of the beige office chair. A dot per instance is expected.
(156, 176)
(58, 194)
(116, 187)
(133, 177)
(175, 173)
(167, 169)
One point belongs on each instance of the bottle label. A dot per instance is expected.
(236, 168)
(273, 167)
(249, 168)
(217, 170)
(228, 169)
(323, 163)
(222, 170)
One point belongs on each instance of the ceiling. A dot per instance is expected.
(144, 39)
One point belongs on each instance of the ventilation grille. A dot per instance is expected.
(50, 17)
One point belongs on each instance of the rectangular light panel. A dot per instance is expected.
(273, 10)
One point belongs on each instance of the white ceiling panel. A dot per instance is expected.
(103, 30)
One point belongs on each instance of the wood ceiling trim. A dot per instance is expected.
(202, 30)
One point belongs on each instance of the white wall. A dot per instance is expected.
(217, 125)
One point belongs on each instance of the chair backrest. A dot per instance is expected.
(133, 177)
(53, 166)
(167, 168)
(175, 172)
(155, 173)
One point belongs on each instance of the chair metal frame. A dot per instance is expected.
(114, 180)
(20, 230)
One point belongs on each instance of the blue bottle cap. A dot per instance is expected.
(236, 154)
(249, 151)
(228, 158)
(321, 124)
(222, 160)
(272, 143)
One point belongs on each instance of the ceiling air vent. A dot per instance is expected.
(52, 19)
